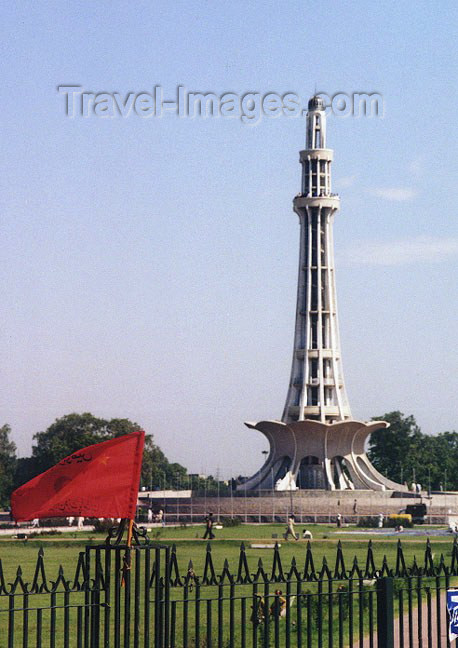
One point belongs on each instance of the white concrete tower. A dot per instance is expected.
(317, 389)
(317, 444)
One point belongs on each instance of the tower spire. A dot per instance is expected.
(316, 388)
(317, 444)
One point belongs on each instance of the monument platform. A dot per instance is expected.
(309, 506)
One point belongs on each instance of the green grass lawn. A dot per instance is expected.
(63, 549)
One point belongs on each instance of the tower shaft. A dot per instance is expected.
(317, 388)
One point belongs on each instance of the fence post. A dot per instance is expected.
(385, 613)
(157, 598)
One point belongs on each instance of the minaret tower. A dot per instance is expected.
(317, 444)
(317, 389)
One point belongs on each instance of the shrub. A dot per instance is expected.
(53, 522)
(50, 532)
(232, 522)
(103, 525)
(368, 521)
(396, 519)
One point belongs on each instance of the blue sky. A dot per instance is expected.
(149, 265)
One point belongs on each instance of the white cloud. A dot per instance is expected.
(393, 253)
(399, 194)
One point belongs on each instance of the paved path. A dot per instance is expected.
(422, 625)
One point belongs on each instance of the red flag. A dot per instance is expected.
(101, 480)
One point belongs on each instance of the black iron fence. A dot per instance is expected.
(148, 596)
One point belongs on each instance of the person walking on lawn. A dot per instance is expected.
(290, 528)
(209, 527)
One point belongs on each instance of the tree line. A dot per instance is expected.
(405, 454)
(75, 431)
(401, 452)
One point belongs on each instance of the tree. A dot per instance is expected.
(442, 463)
(26, 469)
(394, 450)
(158, 472)
(75, 431)
(7, 464)
(404, 454)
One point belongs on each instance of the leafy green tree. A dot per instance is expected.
(442, 463)
(158, 472)
(7, 464)
(25, 470)
(394, 451)
(404, 454)
(75, 431)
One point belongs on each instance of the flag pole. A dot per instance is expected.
(130, 533)
(127, 560)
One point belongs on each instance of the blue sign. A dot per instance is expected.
(452, 607)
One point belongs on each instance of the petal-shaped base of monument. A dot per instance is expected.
(311, 454)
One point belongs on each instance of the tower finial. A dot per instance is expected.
(316, 123)
(316, 103)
